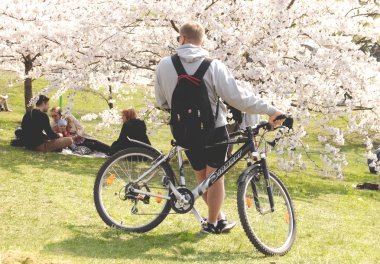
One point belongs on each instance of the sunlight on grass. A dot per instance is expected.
(47, 213)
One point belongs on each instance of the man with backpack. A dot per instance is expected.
(191, 86)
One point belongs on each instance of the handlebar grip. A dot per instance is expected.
(288, 122)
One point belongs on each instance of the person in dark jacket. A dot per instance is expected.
(36, 131)
(133, 128)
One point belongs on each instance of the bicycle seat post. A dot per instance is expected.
(182, 181)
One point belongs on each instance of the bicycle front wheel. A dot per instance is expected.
(127, 210)
(272, 232)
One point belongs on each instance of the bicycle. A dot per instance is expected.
(146, 189)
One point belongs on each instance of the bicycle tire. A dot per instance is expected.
(248, 229)
(97, 199)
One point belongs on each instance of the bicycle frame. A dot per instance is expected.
(248, 147)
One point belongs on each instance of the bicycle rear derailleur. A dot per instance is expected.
(183, 204)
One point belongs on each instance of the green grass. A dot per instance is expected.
(47, 214)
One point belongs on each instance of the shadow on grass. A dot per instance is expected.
(14, 159)
(113, 244)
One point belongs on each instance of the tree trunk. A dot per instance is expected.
(28, 92)
(110, 104)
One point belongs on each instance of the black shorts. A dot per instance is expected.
(213, 156)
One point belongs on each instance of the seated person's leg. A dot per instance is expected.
(96, 145)
(56, 144)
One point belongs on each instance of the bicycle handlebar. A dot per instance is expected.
(265, 125)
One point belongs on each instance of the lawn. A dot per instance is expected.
(47, 214)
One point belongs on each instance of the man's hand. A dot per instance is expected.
(277, 122)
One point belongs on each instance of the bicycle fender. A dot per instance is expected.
(144, 145)
(247, 171)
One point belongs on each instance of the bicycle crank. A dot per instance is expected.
(185, 203)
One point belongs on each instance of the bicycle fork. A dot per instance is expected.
(264, 168)
(263, 162)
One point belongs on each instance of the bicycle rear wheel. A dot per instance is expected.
(122, 209)
(272, 233)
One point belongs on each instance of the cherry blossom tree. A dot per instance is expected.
(303, 57)
(310, 58)
(34, 38)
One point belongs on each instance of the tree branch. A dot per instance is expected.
(290, 4)
(54, 41)
(35, 57)
(135, 65)
(174, 26)
(21, 19)
(210, 5)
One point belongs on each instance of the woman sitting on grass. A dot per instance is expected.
(76, 130)
(133, 128)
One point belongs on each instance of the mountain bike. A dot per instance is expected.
(136, 188)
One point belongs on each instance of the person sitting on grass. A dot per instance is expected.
(36, 131)
(133, 128)
(62, 131)
(73, 125)
(76, 130)
(4, 103)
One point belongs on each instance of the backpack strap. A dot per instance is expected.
(178, 65)
(202, 68)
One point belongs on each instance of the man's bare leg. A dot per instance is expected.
(201, 176)
(215, 197)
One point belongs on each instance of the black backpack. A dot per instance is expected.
(192, 121)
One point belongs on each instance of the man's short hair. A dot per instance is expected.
(193, 31)
(42, 99)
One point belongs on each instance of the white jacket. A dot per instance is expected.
(219, 82)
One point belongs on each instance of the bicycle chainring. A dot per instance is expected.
(186, 204)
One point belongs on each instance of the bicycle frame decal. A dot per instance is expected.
(217, 174)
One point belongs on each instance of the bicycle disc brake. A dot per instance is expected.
(185, 204)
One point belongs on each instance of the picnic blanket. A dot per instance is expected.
(93, 154)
